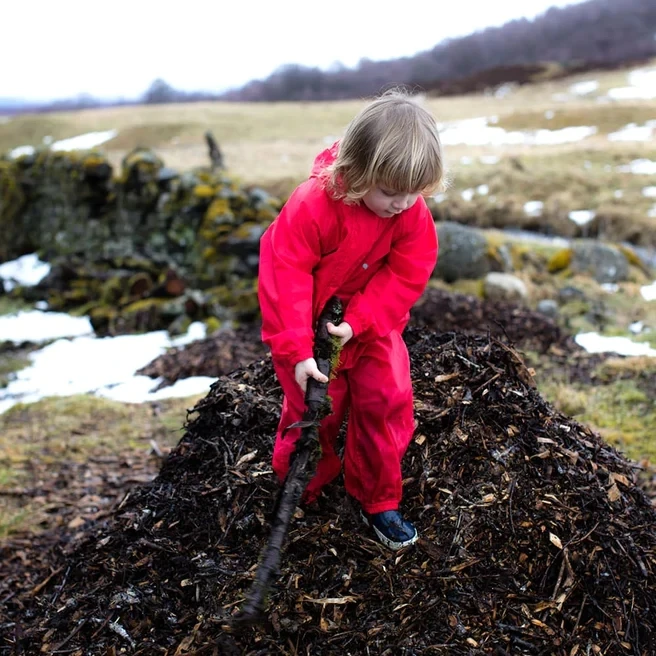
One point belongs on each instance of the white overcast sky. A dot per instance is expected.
(61, 48)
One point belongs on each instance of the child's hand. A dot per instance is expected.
(308, 369)
(343, 331)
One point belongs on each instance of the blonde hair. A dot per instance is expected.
(392, 143)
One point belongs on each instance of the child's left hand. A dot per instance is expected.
(343, 331)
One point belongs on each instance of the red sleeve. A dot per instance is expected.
(289, 251)
(398, 284)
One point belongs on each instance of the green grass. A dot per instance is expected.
(12, 305)
(622, 412)
(57, 431)
(10, 364)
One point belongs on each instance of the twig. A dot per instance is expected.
(61, 587)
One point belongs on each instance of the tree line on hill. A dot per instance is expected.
(597, 33)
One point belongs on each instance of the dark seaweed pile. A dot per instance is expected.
(535, 538)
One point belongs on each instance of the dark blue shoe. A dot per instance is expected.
(392, 530)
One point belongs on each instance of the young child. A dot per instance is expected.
(358, 228)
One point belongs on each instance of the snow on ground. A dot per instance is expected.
(595, 343)
(649, 292)
(80, 142)
(533, 208)
(639, 167)
(37, 326)
(581, 217)
(584, 88)
(633, 132)
(26, 271)
(479, 132)
(642, 86)
(104, 366)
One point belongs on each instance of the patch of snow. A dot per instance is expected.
(84, 141)
(633, 132)
(649, 292)
(639, 167)
(584, 88)
(533, 208)
(478, 132)
(581, 217)
(19, 151)
(25, 271)
(37, 326)
(104, 366)
(595, 343)
(80, 142)
(642, 86)
(637, 327)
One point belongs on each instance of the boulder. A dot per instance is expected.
(504, 287)
(466, 253)
(605, 262)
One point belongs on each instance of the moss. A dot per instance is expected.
(111, 290)
(212, 324)
(218, 207)
(10, 305)
(203, 191)
(621, 412)
(145, 304)
(10, 363)
(93, 161)
(634, 259)
(560, 261)
(12, 202)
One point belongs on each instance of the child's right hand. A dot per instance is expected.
(308, 369)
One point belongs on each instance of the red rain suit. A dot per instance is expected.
(378, 267)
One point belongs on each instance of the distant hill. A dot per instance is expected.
(12, 105)
(593, 34)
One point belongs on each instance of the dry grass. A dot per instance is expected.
(274, 144)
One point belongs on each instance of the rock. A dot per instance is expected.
(548, 307)
(604, 262)
(466, 253)
(570, 293)
(504, 287)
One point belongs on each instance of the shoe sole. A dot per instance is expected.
(394, 546)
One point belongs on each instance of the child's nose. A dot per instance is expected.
(400, 203)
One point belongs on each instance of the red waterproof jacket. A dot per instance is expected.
(318, 246)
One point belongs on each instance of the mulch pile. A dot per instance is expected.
(217, 355)
(440, 310)
(535, 538)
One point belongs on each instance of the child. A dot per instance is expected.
(358, 228)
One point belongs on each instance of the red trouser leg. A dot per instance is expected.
(381, 423)
(293, 406)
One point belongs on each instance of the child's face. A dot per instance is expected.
(386, 203)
